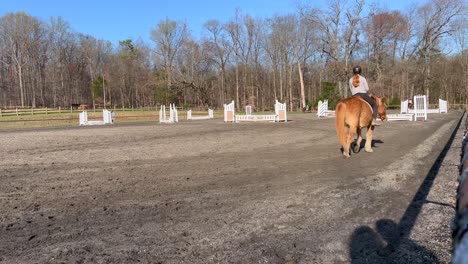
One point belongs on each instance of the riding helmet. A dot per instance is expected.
(357, 69)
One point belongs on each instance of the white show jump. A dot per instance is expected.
(419, 105)
(255, 118)
(229, 112)
(191, 117)
(421, 108)
(106, 119)
(322, 110)
(403, 115)
(279, 115)
(399, 117)
(280, 111)
(173, 115)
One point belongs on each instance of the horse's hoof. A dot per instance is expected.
(345, 155)
(369, 150)
(356, 148)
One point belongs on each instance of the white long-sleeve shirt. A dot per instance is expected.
(361, 88)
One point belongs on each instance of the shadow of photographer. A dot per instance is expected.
(385, 245)
(391, 242)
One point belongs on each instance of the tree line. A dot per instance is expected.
(297, 58)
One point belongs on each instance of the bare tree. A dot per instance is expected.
(58, 37)
(281, 49)
(235, 30)
(20, 33)
(219, 50)
(460, 33)
(384, 30)
(351, 35)
(340, 35)
(436, 17)
(194, 71)
(95, 52)
(305, 47)
(168, 37)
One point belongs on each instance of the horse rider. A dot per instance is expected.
(359, 87)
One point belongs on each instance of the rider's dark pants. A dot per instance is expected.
(368, 99)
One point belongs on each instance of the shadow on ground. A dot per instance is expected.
(390, 242)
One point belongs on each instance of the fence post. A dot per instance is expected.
(46, 112)
(60, 111)
(16, 111)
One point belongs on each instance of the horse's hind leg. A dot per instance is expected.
(368, 146)
(357, 146)
(349, 140)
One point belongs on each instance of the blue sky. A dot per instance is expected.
(118, 20)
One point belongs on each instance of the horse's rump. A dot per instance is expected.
(356, 109)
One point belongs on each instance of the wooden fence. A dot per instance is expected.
(46, 111)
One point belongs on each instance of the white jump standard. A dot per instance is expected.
(229, 112)
(280, 111)
(106, 119)
(420, 107)
(404, 107)
(173, 115)
(191, 117)
(322, 110)
(248, 110)
(443, 107)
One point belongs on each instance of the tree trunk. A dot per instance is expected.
(291, 97)
(301, 79)
(20, 79)
(281, 82)
(237, 85)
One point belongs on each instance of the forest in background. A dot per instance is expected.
(297, 58)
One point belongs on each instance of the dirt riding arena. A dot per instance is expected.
(210, 192)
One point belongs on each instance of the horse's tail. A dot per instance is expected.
(340, 123)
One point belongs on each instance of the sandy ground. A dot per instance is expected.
(210, 192)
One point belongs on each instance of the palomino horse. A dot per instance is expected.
(356, 114)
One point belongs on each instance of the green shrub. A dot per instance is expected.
(329, 93)
(393, 101)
